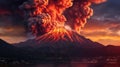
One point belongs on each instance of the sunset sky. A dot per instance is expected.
(103, 26)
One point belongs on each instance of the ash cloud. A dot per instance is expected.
(12, 32)
(45, 15)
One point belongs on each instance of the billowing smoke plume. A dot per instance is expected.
(46, 15)
(78, 14)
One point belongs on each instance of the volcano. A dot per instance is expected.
(57, 24)
(61, 42)
(60, 38)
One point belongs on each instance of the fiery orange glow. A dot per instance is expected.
(57, 16)
(68, 27)
(56, 34)
(97, 1)
(79, 13)
(47, 13)
(60, 34)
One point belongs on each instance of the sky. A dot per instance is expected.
(102, 27)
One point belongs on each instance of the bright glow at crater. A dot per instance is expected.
(68, 27)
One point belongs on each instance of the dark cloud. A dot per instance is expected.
(11, 18)
(9, 10)
(107, 11)
(95, 24)
(106, 17)
(12, 31)
(10, 4)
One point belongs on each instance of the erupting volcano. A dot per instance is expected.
(61, 21)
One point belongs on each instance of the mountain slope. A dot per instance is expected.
(60, 38)
(4, 44)
(9, 51)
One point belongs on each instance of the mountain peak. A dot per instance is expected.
(61, 38)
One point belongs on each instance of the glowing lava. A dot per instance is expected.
(56, 34)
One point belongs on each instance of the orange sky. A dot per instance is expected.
(102, 33)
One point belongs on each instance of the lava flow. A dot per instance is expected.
(57, 19)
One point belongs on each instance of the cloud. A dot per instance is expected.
(12, 31)
(107, 11)
(105, 32)
(13, 34)
(100, 33)
(98, 25)
(109, 42)
(10, 4)
(11, 39)
(115, 28)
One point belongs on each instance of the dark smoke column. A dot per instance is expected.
(34, 18)
(44, 15)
